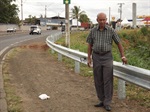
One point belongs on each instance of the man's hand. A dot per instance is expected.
(124, 60)
(89, 62)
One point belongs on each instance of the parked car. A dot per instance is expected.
(49, 28)
(35, 29)
(11, 29)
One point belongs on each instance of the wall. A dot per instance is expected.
(3, 27)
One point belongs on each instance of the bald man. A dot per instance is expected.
(100, 41)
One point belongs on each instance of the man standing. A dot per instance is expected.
(99, 42)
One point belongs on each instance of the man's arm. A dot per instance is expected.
(124, 60)
(89, 54)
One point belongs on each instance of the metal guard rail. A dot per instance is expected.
(132, 74)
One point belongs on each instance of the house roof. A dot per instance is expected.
(54, 17)
(146, 19)
(57, 17)
(125, 21)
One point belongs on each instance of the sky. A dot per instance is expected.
(91, 8)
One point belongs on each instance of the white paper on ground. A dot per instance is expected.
(44, 97)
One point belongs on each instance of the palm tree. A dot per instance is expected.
(76, 13)
(84, 18)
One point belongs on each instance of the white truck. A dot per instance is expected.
(35, 29)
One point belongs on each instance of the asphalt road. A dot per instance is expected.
(14, 38)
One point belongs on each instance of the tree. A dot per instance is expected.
(8, 12)
(76, 13)
(84, 18)
(31, 20)
(41, 16)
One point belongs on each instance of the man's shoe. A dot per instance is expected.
(99, 105)
(107, 107)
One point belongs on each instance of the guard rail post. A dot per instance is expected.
(77, 67)
(59, 57)
(121, 89)
(52, 51)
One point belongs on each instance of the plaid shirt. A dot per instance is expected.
(102, 40)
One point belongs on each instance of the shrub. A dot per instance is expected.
(144, 31)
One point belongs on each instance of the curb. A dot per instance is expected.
(3, 103)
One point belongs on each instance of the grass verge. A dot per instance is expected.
(13, 101)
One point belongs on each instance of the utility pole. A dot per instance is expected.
(45, 11)
(120, 9)
(134, 15)
(45, 17)
(67, 26)
(21, 13)
(67, 22)
(45, 14)
(109, 14)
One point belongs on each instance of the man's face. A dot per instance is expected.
(101, 19)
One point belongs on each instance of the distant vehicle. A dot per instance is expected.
(11, 29)
(35, 29)
(81, 28)
(49, 28)
(63, 28)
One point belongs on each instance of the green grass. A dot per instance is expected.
(13, 101)
(142, 96)
(137, 44)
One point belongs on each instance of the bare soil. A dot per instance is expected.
(34, 71)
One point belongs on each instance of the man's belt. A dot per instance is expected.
(102, 53)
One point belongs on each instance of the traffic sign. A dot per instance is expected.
(66, 1)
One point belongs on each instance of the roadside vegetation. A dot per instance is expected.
(9, 12)
(14, 102)
(136, 44)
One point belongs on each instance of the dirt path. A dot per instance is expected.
(33, 71)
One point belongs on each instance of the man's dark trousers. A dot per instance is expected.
(103, 76)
